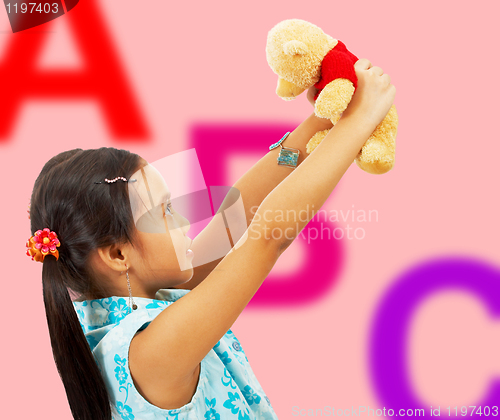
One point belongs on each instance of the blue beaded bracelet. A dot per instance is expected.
(287, 157)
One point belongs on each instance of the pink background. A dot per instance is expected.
(198, 62)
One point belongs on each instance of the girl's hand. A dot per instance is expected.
(374, 95)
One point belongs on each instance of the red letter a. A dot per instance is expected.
(102, 78)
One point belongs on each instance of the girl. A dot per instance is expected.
(169, 353)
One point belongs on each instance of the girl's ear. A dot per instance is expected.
(115, 256)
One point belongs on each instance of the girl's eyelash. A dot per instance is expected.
(169, 206)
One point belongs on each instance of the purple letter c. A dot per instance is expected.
(388, 341)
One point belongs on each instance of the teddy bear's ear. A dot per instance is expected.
(295, 47)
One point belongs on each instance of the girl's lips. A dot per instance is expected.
(189, 251)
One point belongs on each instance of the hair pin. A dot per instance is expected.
(42, 243)
(118, 178)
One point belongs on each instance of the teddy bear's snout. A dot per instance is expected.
(288, 90)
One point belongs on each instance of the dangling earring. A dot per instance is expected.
(131, 302)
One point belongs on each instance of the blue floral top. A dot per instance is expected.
(227, 387)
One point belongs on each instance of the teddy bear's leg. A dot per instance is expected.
(334, 98)
(315, 140)
(378, 153)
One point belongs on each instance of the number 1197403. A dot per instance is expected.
(33, 8)
(477, 410)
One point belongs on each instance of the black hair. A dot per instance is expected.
(85, 216)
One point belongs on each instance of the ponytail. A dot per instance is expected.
(69, 199)
(85, 388)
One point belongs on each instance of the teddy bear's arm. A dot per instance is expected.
(334, 98)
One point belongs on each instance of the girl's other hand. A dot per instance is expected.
(374, 95)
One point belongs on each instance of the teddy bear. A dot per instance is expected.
(302, 55)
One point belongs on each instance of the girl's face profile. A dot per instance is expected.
(160, 230)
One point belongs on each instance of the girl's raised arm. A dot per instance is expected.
(255, 185)
(169, 351)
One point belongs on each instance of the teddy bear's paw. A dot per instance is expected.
(315, 140)
(334, 98)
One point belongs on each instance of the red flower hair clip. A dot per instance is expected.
(42, 243)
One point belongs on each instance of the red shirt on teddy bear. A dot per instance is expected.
(338, 63)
